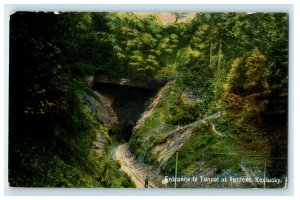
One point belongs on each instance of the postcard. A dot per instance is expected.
(148, 99)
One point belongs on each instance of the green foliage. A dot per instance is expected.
(247, 88)
(233, 62)
(197, 79)
(184, 113)
(157, 123)
(143, 45)
(224, 63)
(40, 168)
(66, 159)
(51, 130)
(246, 98)
(201, 147)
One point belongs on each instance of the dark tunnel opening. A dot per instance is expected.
(128, 102)
(128, 132)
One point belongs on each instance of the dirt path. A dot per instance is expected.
(215, 130)
(177, 138)
(138, 171)
(130, 166)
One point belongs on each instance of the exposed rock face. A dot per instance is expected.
(101, 107)
(101, 142)
(150, 108)
(168, 142)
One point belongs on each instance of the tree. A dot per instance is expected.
(138, 44)
(247, 89)
(256, 85)
(178, 16)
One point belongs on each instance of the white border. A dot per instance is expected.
(139, 7)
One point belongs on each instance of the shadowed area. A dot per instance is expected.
(128, 102)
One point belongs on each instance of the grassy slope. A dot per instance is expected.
(154, 130)
(203, 151)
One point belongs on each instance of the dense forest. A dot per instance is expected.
(231, 64)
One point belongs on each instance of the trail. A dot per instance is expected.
(177, 138)
(131, 167)
(215, 130)
(137, 171)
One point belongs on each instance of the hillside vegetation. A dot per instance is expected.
(227, 68)
(223, 109)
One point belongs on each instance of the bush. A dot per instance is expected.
(183, 113)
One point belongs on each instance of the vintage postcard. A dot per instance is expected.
(148, 99)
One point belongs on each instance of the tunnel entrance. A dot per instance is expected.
(128, 132)
(128, 102)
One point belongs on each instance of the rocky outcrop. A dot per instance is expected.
(101, 141)
(101, 107)
(149, 110)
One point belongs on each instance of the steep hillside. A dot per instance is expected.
(205, 147)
